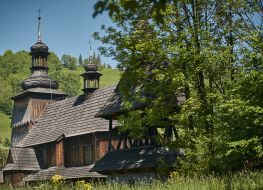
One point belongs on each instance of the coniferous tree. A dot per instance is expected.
(80, 60)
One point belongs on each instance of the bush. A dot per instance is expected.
(7, 142)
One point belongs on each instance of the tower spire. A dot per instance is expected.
(90, 52)
(39, 22)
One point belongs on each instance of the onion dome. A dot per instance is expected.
(39, 79)
(91, 67)
(39, 47)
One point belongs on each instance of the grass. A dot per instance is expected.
(5, 130)
(243, 180)
(109, 77)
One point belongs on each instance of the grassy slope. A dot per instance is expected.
(109, 77)
(5, 130)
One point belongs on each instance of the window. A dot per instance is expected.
(87, 154)
(73, 156)
(51, 155)
(44, 157)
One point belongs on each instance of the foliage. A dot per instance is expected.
(212, 51)
(69, 81)
(3, 157)
(69, 62)
(7, 142)
(5, 130)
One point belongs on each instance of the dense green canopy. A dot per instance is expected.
(214, 50)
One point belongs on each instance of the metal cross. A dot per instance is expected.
(39, 18)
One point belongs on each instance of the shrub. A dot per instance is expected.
(7, 142)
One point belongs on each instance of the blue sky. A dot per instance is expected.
(67, 26)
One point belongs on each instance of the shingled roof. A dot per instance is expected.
(115, 105)
(22, 159)
(69, 117)
(136, 158)
(67, 173)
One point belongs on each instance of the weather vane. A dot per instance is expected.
(39, 19)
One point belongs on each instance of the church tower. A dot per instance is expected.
(91, 77)
(39, 91)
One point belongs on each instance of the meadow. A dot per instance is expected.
(5, 130)
(238, 181)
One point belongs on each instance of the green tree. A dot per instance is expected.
(80, 60)
(69, 62)
(54, 63)
(69, 81)
(14, 67)
(205, 48)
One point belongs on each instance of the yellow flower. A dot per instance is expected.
(83, 185)
(57, 180)
(174, 174)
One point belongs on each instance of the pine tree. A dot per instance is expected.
(80, 60)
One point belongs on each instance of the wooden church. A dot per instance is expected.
(52, 134)
(77, 137)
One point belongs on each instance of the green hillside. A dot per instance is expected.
(5, 130)
(109, 77)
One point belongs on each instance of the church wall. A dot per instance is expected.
(25, 112)
(60, 153)
(37, 106)
(86, 149)
(20, 111)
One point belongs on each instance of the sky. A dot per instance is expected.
(66, 26)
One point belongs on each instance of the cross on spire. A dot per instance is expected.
(39, 22)
(90, 51)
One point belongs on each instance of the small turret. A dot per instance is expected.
(91, 77)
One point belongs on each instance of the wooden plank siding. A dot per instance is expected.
(28, 109)
(25, 112)
(98, 142)
(74, 151)
(37, 106)
(60, 153)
